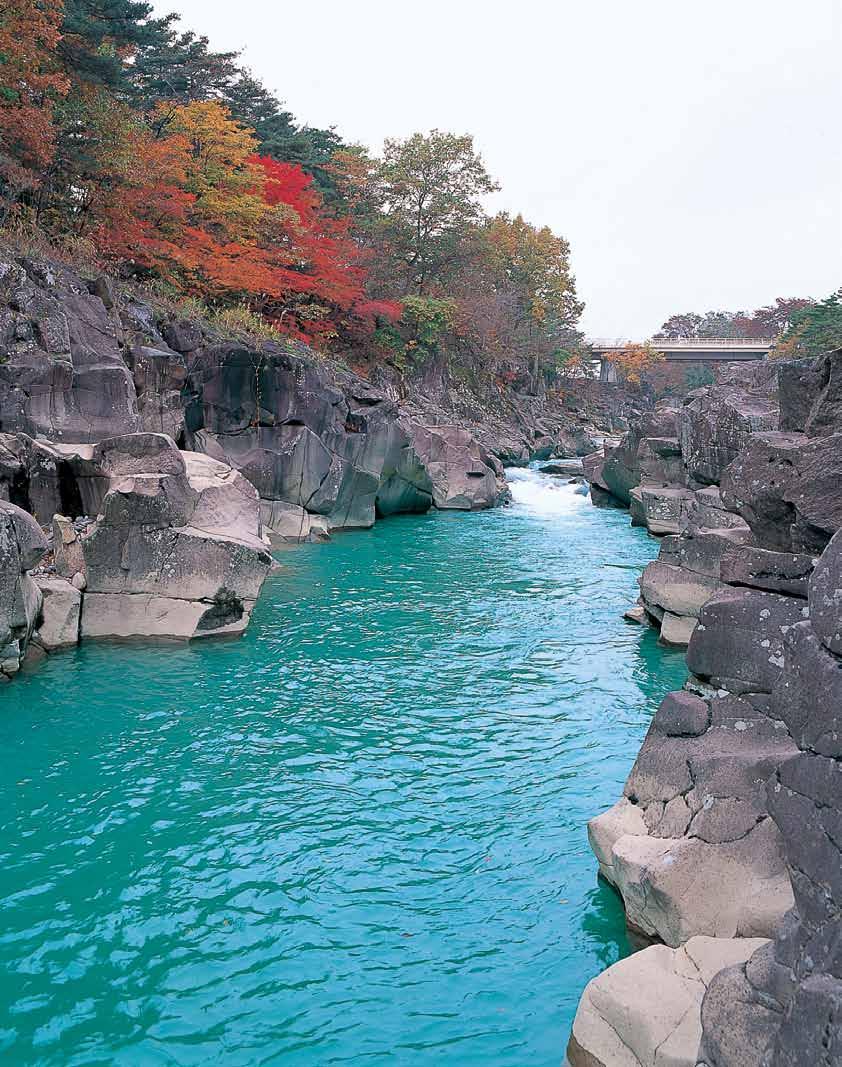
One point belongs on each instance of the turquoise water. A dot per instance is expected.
(355, 836)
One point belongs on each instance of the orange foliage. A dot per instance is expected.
(30, 82)
(197, 206)
(634, 360)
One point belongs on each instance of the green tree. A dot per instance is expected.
(431, 189)
(179, 68)
(98, 37)
(813, 330)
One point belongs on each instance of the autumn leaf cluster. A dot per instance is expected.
(176, 165)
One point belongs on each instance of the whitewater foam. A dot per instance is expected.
(544, 495)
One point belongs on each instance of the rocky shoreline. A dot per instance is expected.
(726, 846)
(148, 466)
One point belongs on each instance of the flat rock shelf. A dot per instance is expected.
(356, 835)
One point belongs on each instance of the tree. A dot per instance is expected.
(222, 173)
(768, 323)
(180, 68)
(430, 188)
(764, 323)
(30, 84)
(692, 325)
(278, 135)
(814, 329)
(99, 36)
(678, 327)
(633, 361)
(518, 283)
(536, 263)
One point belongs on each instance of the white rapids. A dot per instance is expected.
(544, 495)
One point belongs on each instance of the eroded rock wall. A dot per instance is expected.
(729, 825)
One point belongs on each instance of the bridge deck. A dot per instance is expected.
(692, 348)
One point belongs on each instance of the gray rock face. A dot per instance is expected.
(739, 642)
(790, 996)
(811, 395)
(80, 363)
(648, 453)
(759, 568)
(463, 475)
(22, 545)
(826, 597)
(737, 1026)
(660, 510)
(730, 820)
(300, 441)
(676, 586)
(715, 423)
(788, 488)
(159, 376)
(695, 814)
(62, 375)
(799, 384)
(176, 550)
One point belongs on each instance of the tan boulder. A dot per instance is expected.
(645, 1010)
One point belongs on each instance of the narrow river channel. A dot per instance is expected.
(356, 835)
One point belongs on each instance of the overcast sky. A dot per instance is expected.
(690, 153)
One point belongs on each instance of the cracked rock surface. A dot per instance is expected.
(729, 824)
(645, 1011)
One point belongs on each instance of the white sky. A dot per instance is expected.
(690, 152)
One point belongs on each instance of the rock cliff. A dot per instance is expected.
(164, 459)
(729, 824)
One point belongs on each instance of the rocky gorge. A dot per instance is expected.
(725, 846)
(149, 465)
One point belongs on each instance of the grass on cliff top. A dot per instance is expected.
(232, 323)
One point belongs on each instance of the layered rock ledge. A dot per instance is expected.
(729, 824)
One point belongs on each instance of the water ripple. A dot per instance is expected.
(354, 837)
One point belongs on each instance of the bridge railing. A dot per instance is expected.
(611, 343)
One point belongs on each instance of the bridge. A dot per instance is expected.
(684, 350)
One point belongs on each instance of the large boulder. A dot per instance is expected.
(61, 607)
(177, 547)
(690, 846)
(674, 589)
(291, 524)
(22, 546)
(463, 475)
(645, 1010)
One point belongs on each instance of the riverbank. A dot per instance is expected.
(162, 459)
(726, 831)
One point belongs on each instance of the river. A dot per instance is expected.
(354, 836)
